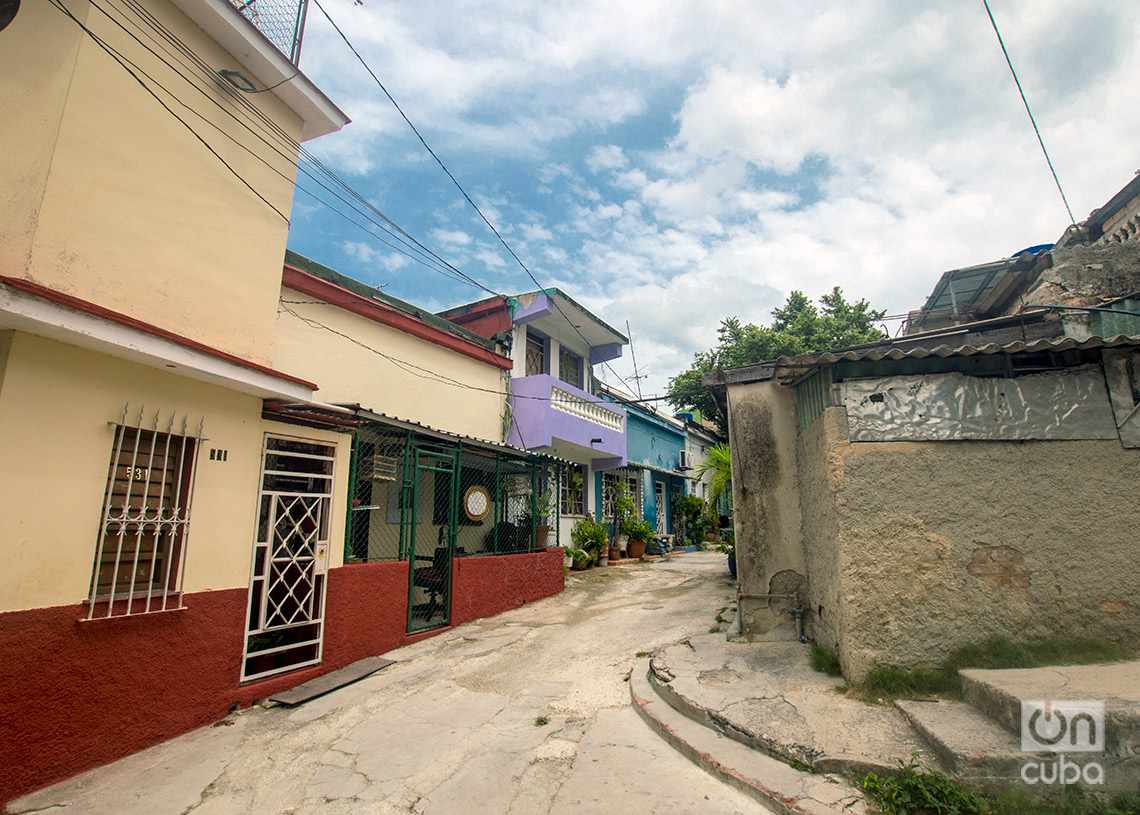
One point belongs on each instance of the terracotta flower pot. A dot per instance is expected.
(635, 549)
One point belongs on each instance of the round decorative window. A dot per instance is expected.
(8, 9)
(476, 502)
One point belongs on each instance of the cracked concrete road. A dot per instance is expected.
(523, 713)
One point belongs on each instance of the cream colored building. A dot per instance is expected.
(390, 357)
(144, 206)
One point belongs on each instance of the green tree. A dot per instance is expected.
(799, 327)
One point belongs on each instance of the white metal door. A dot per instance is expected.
(285, 625)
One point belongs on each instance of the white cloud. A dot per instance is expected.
(451, 237)
(674, 164)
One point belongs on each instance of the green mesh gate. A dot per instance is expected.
(425, 500)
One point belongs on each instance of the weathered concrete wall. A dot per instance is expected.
(820, 457)
(1086, 276)
(769, 553)
(940, 544)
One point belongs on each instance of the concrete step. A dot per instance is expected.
(968, 743)
(770, 782)
(1000, 693)
(767, 697)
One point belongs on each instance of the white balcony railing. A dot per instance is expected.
(585, 409)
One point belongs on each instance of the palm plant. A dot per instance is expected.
(719, 468)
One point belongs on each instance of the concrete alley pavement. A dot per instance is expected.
(527, 712)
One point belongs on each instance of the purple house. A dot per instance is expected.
(555, 344)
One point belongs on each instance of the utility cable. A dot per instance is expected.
(414, 245)
(123, 63)
(454, 180)
(1033, 121)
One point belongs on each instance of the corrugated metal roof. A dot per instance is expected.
(876, 353)
(800, 366)
(344, 413)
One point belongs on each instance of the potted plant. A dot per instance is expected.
(545, 506)
(590, 537)
(727, 546)
(580, 559)
(624, 509)
(640, 532)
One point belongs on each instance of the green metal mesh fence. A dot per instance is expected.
(470, 500)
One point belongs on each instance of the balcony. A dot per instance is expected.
(552, 416)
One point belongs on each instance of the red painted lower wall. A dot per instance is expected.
(489, 585)
(74, 695)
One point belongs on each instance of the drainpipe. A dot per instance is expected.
(797, 613)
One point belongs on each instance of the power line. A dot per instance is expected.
(455, 181)
(415, 250)
(1030, 112)
(123, 62)
(408, 367)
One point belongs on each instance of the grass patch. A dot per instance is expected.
(643, 654)
(541, 721)
(912, 791)
(885, 682)
(998, 652)
(825, 661)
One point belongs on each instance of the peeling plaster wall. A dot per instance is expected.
(1086, 276)
(769, 552)
(916, 548)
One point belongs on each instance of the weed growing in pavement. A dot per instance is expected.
(916, 792)
(541, 721)
(825, 661)
(912, 791)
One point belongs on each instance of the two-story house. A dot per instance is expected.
(552, 406)
(144, 215)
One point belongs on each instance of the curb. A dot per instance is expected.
(787, 790)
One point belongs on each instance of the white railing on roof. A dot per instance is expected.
(585, 409)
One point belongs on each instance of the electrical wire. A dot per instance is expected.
(455, 181)
(1033, 121)
(123, 62)
(409, 367)
(412, 248)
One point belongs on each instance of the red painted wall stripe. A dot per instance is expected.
(349, 301)
(95, 310)
(75, 695)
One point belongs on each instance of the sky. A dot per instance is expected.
(671, 164)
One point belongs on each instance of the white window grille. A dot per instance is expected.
(140, 556)
(574, 489)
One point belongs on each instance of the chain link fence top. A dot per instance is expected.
(281, 21)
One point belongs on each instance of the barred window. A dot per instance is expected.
(535, 354)
(574, 490)
(139, 558)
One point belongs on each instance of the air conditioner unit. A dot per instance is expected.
(684, 463)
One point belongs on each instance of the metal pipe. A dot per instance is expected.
(797, 613)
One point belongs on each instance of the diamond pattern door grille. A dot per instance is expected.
(285, 628)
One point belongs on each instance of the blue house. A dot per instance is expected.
(656, 457)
